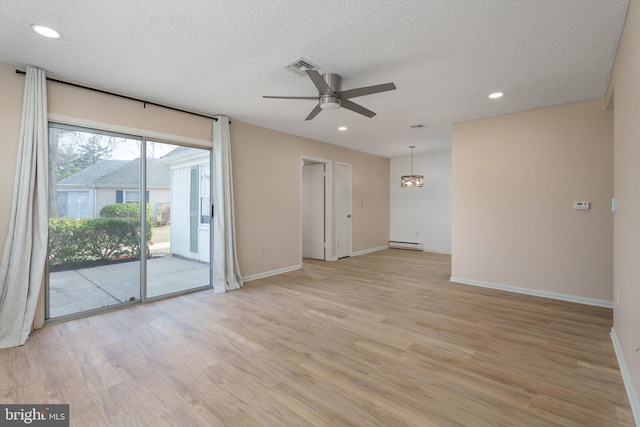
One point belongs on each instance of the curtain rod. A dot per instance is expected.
(145, 103)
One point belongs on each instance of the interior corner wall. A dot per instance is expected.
(422, 215)
(626, 249)
(266, 173)
(515, 181)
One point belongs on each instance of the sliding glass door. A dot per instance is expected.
(180, 210)
(124, 226)
(94, 236)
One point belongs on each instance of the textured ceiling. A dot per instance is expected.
(220, 57)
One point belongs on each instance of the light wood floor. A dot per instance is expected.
(382, 339)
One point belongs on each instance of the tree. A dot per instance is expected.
(70, 152)
(54, 134)
(82, 153)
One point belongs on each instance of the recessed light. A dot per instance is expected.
(496, 95)
(46, 31)
(342, 128)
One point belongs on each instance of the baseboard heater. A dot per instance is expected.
(405, 245)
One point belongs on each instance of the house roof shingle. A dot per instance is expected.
(119, 173)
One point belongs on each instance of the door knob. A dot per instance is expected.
(348, 215)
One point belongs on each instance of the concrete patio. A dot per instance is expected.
(84, 289)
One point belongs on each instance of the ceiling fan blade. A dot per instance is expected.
(321, 85)
(291, 97)
(357, 108)
(314, 112)
(369, 90)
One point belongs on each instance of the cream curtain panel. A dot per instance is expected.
(226, 272)
(25, 251)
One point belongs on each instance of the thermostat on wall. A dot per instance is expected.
(582, 206)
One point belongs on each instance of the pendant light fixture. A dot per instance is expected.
(411, 181)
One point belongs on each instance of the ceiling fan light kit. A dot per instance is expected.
(331, 97)
(411, 181)
(328, 102)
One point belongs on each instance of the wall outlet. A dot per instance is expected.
(260, 250)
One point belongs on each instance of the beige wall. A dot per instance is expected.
(81, 106)
(626, 87)
(266, 172)
(515, 180)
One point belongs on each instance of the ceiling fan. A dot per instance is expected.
(330, 97)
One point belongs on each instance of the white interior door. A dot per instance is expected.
(313, 211)
(343, 209)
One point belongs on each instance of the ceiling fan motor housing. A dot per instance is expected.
(327, 100)
(334, 81)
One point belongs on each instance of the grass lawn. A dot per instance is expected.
(160, 239)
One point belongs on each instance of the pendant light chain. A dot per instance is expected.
(412, 147)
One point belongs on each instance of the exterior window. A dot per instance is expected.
(73, 204)
(205, 204)
(129, 196)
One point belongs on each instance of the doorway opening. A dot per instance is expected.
(316, 209)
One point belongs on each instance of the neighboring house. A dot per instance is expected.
(85, 193)
(190, 202)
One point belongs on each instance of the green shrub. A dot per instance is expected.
(130, 211)
(115, 238)
(123, 210)
(68, 241)
(83, 242)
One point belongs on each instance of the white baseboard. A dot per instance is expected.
(271, 273)
(368, 251)
(534, 292)
(626, 377)
(435, 251)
